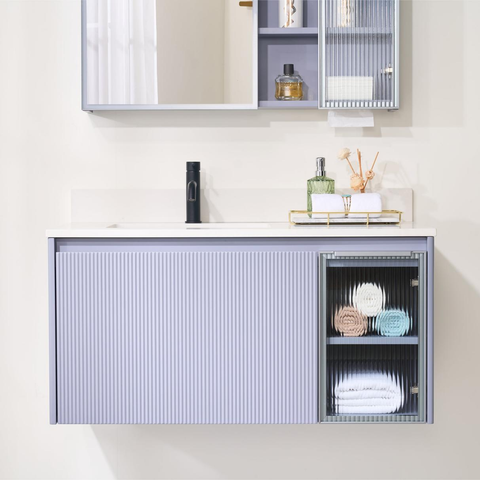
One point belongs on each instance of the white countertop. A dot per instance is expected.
(234, 230)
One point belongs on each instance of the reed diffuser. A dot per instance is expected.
(358, 181)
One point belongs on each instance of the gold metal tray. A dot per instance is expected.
(304, 217)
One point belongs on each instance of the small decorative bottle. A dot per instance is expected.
(290, 13)
(320, 183)
(289, 86)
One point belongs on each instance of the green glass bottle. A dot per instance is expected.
(320, 183)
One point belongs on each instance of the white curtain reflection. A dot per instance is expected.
(122, 52)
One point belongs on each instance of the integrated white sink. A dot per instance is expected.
(188, 226)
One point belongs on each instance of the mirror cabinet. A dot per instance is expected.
(226, 54)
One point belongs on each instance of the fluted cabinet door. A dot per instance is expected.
(359, 54)
(186, 337)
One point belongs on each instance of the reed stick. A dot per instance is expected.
(353, 171)
(360, 162)
(374, 162)
(362, 190)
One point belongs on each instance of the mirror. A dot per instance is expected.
(177, 53)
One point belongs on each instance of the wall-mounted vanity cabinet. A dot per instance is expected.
(216, 54)
(259, 330)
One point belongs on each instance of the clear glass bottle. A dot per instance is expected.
(289, 86)
(320, 183)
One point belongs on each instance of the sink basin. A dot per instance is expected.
(189, 226)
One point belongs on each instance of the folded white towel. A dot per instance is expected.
(366, 202)
(364, 402)
(361, 395)
(325, 202)
(366, 382)
(366, 410)
(368, 393)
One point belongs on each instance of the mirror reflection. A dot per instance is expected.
(150, 52)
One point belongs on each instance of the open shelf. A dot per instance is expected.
(372, 340)
(291, 104)
(289, 32)
(273, 53)
(278, 46)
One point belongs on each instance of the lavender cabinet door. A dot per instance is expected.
(187, 337)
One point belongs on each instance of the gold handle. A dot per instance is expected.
(246, 4)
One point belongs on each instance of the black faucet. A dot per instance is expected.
(193, 192)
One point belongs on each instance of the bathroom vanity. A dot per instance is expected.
(267, 323)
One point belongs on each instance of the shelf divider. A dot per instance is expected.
(372, 340)
(288, 32)
(288, 104)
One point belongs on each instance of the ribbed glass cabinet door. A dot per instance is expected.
(372, 337)
(359, 54)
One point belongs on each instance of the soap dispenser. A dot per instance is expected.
(320, 183)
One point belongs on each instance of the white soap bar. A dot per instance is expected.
(366, 202)
(325, 202)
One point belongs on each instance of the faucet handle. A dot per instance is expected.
(192, 191)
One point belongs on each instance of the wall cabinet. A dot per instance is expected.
(241, 331)
(347, 53)
(215, 54)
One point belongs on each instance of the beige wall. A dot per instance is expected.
(49, 147)
(238, 53)
(211, 58)
(190, 45)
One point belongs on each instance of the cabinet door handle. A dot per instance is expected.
(246, 4)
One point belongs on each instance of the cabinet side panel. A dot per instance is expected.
(430, 327)
(52, 332)
(187, 337)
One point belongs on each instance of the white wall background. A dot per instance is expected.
(49, 147)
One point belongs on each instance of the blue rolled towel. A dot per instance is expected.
(393, 323)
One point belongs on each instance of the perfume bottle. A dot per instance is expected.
(320, 183)
(288, 86)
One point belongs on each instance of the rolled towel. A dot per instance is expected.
(368, 393)
(349, 322)
(392, 323)
(369, 299)
(326, 202)
(365, 202)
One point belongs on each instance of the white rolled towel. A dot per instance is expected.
(327, 202)
(365, 202)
